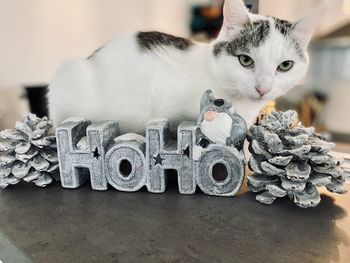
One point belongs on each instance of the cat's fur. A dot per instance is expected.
(150, 74)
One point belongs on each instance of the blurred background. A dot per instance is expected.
(36, 36)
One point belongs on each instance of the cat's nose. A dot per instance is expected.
(263, 90)
(219, 102)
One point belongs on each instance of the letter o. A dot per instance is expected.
(125, 167)
(226, 157)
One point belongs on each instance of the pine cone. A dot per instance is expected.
(28, 153)
(291, 160)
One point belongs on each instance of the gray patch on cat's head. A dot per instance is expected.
(283, 26)
(287, 28)
(147, 41)
(252, 34)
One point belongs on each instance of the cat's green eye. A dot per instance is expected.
(245, 61)
(285, 66)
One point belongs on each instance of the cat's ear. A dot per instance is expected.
(235, 14)
(305, 27)
(304, 30)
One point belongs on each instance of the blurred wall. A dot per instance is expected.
(36, 36)
(13, 107)
(330, 18)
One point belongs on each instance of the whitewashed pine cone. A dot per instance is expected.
(291, 160)
(28, 153)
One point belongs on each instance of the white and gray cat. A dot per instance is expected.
(150, 74)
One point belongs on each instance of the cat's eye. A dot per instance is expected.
(245, 61)
(285, 66)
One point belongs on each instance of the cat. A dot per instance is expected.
(145, 75)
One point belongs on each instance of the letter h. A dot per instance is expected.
(163, 154)
(89, 154)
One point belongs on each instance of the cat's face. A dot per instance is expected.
(259, 57)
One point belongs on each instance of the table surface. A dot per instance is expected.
(82, 225)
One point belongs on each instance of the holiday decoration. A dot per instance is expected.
(291, 160)
(219, 122)
(129, 162)
(28, 153)
(287, 158)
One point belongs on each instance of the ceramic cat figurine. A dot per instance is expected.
(220, 123)
(150, 74)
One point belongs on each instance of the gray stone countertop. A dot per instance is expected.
(82, 225)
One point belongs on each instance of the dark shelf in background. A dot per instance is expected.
(37, 100)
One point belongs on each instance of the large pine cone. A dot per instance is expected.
(291, 160)
(28, 153)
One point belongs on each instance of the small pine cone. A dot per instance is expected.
(291, 160)
(29, 153)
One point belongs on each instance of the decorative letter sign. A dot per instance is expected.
(131, 161)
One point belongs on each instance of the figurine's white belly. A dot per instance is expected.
(219, 129)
